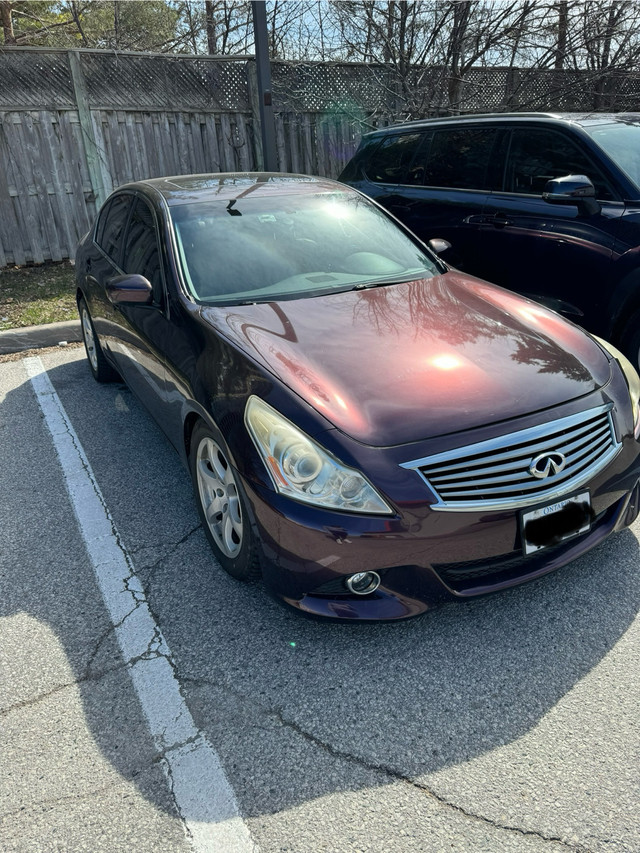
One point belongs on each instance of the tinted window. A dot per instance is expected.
(259, 249)
(537, 155)
(141, 254)
(459, 158)
(115, 220)
(391, 161)
(100, 223)
(622, 144)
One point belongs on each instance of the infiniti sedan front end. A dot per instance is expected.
(506, 447)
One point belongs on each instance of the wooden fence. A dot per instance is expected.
(76, 124)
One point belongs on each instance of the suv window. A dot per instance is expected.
(390, 162)
(141, 254)
(108, 233)
(459, 158)
(537, 155)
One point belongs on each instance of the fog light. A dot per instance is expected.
(363, 583)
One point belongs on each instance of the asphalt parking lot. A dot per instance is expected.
(507, 724)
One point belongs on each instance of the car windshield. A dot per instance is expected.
(283, 247)
(622, 143)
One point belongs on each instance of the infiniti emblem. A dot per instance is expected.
(547, 465)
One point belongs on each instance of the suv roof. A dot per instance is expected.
(569, 118)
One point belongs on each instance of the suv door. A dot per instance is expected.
(436, 182)
(549, 252)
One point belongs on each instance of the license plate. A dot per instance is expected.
(556, 522)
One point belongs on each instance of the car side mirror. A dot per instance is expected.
(572, 189)
(129, 289)
(438, 245)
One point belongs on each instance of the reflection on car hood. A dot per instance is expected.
(419, 359)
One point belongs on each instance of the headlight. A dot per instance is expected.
(631, 375)
(301, 469)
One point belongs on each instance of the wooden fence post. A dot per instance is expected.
(101, 188)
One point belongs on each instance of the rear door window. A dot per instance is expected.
(459, 158)
(391, 162)
(110, 234)
(538, 155)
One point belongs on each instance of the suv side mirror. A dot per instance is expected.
(572, 189)
(128, 289)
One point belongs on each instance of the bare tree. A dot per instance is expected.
(6, 9)
(431, 46)
(563, 21)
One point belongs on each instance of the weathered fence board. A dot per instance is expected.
(45, 195)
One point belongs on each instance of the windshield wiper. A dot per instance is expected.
(382, 282)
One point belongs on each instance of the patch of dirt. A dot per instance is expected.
(25, 353)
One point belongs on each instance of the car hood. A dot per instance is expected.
(410, 361)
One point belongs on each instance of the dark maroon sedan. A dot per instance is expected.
(368, 429)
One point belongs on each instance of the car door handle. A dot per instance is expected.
(498, 220)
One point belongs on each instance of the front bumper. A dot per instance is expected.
(423, 557)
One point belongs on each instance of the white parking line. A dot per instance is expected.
(201, 791)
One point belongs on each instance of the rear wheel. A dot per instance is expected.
(221, 505)
(100, 367)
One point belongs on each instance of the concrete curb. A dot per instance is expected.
(36, 337)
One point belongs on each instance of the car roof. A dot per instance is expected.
(225, 186)
(584, 119)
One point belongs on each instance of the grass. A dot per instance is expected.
(30, 296)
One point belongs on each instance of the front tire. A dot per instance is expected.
(100, 367)
(221, 505)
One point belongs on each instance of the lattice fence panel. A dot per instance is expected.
(619, 92)
(484, 90)
(318, 87)
(35, 80)
(127, 81)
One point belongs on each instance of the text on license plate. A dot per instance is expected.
(557, 522)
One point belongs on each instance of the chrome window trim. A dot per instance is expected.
(531, 434)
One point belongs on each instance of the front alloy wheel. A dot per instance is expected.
(219, 497)
(221, 505)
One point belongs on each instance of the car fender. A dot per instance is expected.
(625, 294)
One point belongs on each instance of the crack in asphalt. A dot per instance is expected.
(104, 636)
(194, 740)
(83, 679)
(396, 775)
(70, 798)
(166, 766)
(172, 548)
(167, 543)
(391, 772)
(155, 649)
(133, 585)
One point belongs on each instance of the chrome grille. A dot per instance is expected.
(495, 474)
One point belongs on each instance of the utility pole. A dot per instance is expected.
(267, 123)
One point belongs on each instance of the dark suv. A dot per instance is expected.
(547, 205)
